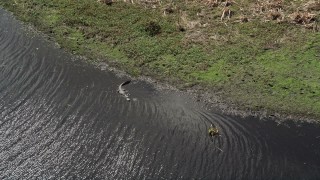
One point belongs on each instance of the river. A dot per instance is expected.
(63, 119)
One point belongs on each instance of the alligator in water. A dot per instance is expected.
(122, 91)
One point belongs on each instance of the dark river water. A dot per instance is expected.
(62, 119)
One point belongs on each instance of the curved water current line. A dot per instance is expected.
(61, 119)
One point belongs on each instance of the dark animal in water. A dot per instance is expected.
(213, 130)
(122, 91)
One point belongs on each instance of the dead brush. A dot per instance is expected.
(226, 11)
(212, 3)
(312, 26)
(302, 17)
(184, 23)
(228, 3)
(242, 19)
(275, 4)
(312, 6)
(275, 15)
(216, 3)
(169, 9)
(265, 6)
(145, 3)
(150, 3)
(269, 10)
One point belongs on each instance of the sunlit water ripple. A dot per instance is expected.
(62, 119)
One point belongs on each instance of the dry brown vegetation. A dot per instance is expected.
(201, 20)
(304, 13)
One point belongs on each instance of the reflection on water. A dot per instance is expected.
(60, 119)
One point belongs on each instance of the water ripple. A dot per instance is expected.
(61, 119)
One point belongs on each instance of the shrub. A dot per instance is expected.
(153, 28)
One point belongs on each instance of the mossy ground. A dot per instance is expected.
(257, 64)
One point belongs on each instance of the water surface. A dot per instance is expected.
(63, 119)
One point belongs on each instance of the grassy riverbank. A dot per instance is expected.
(255, 59)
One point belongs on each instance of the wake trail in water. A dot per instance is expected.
(62, 119)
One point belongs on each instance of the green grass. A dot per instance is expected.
(257, 65)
